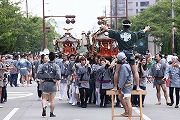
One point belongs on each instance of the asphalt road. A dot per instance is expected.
(23, 104)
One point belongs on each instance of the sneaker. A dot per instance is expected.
(117, 105)
(176, 106)
(52, 115)
(84, 106)
(101, 105)
(44, 112)
(105, 106)
(1, 106)
(73, 104)
(70, 101)
(78, 104)
(4, 101)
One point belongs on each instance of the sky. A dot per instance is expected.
(86, 12)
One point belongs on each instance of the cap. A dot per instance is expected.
(121, 56)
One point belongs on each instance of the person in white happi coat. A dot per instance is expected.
(63, 82)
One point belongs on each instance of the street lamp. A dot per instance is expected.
(44, 27)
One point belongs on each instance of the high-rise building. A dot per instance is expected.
(133, 6)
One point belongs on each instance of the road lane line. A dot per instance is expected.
(138, 112)
(11, 114)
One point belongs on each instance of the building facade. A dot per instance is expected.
(133, 6)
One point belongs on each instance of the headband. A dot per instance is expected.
(127, 24)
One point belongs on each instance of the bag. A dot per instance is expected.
(167, 82)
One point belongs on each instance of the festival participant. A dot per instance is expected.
(50, 74)
(125, 85)
(157, 72)
(71, 80)
(63, 82)
(105, 81)
(44, 59)
(83, 72)
(126, 40)
(23, 65)
(94, 85)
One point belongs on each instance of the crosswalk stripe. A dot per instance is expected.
(138, 112)
(8, 117)
(15, 95)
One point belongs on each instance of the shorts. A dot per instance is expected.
(126, 95)
(130, 59)
(158, 82)
(24, 72)
(49, 87)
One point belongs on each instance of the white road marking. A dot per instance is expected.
(138, 112)
(11, 114)
(14, 95)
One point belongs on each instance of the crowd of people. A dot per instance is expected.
(85, 80)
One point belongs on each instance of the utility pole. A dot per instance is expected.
(173, 30)
(27, 9)
(44, 34)
(46, 27)
(116, 9)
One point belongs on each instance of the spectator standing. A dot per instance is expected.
(14, 72)
(3, 69)
(174, 73)
(142, 71)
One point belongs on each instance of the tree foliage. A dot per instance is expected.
(159, 18)
(21, 34)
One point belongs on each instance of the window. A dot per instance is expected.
(130, 10)
(136, 4)
(136, 11)
(144, 4)
(130, 3)
(142, 9)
